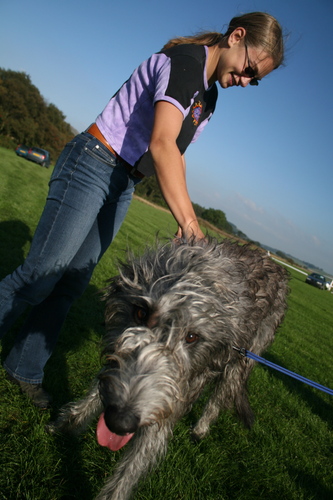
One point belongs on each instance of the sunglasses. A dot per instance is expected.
(249, 71)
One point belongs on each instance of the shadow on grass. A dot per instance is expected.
(311, 485)
(74, 482)
(78, 349)
(68, 376)
(86, 314)
(311, 395)
(14, 235)
(82, 331)
(73, 478)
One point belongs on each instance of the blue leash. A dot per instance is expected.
(243, 352)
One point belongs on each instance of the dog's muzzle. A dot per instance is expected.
(121, 421)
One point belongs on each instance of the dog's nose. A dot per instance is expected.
(121, 421)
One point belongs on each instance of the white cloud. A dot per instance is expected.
(316, 241)
(250, 204)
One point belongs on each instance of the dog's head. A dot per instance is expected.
(183, 298)
(193, 295)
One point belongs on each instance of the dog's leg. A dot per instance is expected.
(210, 413)
(75, 417)
(230, 392)
(148, 445)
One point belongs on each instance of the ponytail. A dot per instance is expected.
(205, 38)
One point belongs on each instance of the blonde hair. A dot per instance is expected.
(205, 38)
(262, 30)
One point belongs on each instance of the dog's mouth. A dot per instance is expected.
(109, 439)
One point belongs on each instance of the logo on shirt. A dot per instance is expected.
(196, 112)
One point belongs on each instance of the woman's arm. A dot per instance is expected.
(170, 168)
(179, 233)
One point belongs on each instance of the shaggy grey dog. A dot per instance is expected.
(173, 316)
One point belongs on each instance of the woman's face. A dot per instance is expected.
(238, 64)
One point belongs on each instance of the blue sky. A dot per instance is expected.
(265, 159)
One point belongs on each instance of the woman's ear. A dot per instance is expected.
(236, 36)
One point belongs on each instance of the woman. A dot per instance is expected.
(144, 130)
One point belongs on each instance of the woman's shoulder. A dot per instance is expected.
(186, 50)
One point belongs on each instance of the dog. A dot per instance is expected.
(174, 316)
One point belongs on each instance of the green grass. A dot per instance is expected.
(287, 455)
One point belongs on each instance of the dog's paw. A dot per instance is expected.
(51, 428)
(197, 436)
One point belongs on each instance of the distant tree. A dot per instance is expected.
(198, 209)
(240, 234)
(217, 218)
(150, 190)
(281, 254)
(256, 243)
(26, 118)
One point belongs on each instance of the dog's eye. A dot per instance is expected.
(191, 338)
(140, 315)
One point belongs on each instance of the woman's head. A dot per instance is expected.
(262, 32)
(255, 47)
(251, 48)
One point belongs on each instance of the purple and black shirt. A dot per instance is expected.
(176, 75)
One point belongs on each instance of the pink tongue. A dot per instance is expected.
(107, 438)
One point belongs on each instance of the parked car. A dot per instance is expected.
(316, 280)
(37, 155)
(40, 156)
(22, 150)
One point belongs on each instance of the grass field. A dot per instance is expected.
(288, 454)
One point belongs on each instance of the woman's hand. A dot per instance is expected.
(193, 231)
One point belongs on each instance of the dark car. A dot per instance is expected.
(40, 156)
(22, 150)
(316, 280)
(37, 155)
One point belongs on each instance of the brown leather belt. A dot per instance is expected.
(94, 130)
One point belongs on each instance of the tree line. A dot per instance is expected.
(149, 190)
(26, 118)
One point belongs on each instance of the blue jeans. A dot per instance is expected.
(89, 194)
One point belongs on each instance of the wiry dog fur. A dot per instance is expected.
(173, 316)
